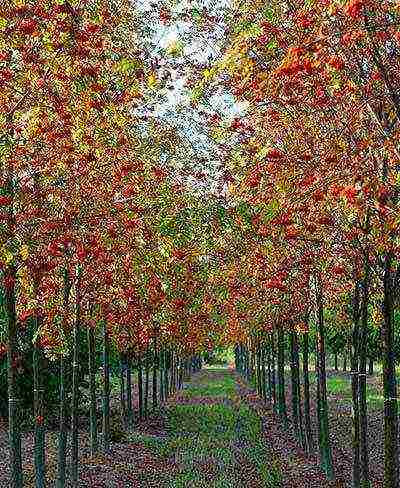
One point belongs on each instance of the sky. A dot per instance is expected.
(200, 47)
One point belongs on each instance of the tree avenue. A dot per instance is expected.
(140, 242)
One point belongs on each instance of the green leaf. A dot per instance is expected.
(272, 45)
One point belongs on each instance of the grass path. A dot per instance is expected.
(213, 438)
(214, 433)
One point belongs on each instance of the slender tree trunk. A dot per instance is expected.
(319, 417)
(122, 390)
(129, 390)
(263, 374)
(282, 411)
(306, 380)
(335, 358)
(15, 458)
(140, 385)
(273, 364)
(354, 388)
(166, 368)
(326, 460)
(92, 386)
(155, 368)
(63, 434)
(269, 372)
(294, 375)
(296, 395)
(345, 361)
(146, 388)
(181, 371)
(259, 369)
(161, 371)
(75, 383)
(362, 382)
(371, 366)
(391, 479)
(38, 399)
(106, 388)
(172, 372)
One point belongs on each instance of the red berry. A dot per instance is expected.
(4, 200)
(28, 26)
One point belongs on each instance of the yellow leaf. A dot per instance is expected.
(7, 256)
(24, 252)
(152, 81)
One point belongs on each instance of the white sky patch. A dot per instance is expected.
(201, 48)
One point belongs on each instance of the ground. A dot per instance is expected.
(216, 433)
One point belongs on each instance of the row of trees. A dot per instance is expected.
(98, 237)
(316, 159)
(98, 242)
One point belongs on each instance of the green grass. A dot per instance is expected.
(222, 386)
(204, 439)
(337, 386)
(342, 386)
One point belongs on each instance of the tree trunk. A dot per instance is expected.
(129, 390)
(269, 370)
(326, 460)
(106, 388)
(371, 366)
(172, 372)
(38, 398)
(362, 382)
(263, 374)
(282, 412)
(92, 386)
(62, 440)
(146, 386)
(389, 382)
(15, 458)
(295, 377)
(75, 383)
(273, 363)
(122, 390)
(258, 370)
(166, 368)
(161, 371)
(306, 379)
(140, 385)
(354, 388)
(155, 368)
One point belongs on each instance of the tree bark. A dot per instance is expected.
(389, 382)
(15, 458)
(106, 388)
(92, 387)
(282, 411)
(129, 390)
(273, 363)
(306, 380)
(146, 387)
(75, 382)
(155, 368)
(326, 460)
(362, 382)
(295, 377)
(63, 434)
(140, 385)
(354, 388)
(38, 406)
(371, 366)
(122, 371)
